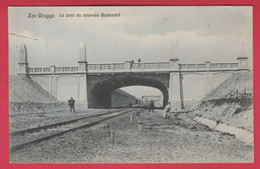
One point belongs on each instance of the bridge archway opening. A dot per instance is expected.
(100, 93)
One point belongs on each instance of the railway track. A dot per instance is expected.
(21, 138)
(38, 128)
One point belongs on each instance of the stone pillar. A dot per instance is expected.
(181, 90)
(242, 62)
(52, 69)
(175, 89)
(174, 64)
(173, 55)
(208, 83)
(82, 60)
(82, 90)
(176, 85)
(78, 87)
(53, 85)
(82, 79)
(207, 65)
(23, 62)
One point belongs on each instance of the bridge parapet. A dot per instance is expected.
(137, 67)
(192, 66)
(66, 69)
(209, 66)
(223, 65)
(157, 65)
(39, 69)
(106, 67)
(52, 69)
(129, 66)
(161, 66)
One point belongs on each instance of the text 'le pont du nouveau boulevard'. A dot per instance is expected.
(72, 15)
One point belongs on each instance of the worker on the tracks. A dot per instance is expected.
(71, 104)
(167, 111)
(151, 106)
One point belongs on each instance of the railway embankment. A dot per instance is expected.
(229, 108)
(26, 96)
(22, 89)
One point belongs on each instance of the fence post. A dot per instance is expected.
(112, 135)
(131, 119)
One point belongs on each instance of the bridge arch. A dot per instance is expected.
(100, 93)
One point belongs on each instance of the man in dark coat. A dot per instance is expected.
(151, 106)
(71, 104)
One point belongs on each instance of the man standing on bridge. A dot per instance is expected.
(71, 104)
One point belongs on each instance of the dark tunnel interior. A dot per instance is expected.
(100, 94)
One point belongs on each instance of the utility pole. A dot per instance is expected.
(181, 88)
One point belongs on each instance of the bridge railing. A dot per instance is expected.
(158, 65)
(39, 70)
(193, 66)
(208, 65)
(128, 66)
(223, 65)
(106, 67)
(52, 69)
(66, 69)
(135, 67)
(150, 66)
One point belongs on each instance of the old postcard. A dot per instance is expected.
(131, 84)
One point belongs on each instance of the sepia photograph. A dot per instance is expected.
(131, 84)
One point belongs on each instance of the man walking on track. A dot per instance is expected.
(151, 106)
(71, 104)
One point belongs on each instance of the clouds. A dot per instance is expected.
(202, 34)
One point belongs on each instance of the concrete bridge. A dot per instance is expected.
(93, 83)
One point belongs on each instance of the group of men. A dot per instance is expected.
(166, 115)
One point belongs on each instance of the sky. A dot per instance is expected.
(202, 34)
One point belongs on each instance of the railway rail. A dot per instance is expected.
(22, 138)
(38, 128)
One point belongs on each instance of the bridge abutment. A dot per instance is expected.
(176, 89)
(208, 83)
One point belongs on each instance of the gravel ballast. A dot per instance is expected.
(159, 140)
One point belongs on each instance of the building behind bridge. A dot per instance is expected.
(120, 98)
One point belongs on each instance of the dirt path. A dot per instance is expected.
(160, 140)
